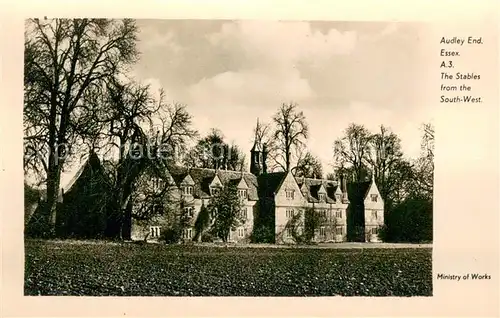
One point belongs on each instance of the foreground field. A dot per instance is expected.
(55, 268)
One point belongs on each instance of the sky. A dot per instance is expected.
(229, 73)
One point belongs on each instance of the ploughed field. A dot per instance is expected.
(69, 268)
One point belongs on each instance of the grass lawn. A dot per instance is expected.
(59, 268)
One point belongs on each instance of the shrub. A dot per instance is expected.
(410, 221)
(262, 234)
(207, 238)
(171, 236)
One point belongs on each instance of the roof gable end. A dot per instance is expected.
(188, 180)
(216, 182)
(242, 184)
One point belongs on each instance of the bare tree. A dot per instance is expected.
(214, 152)
(331, 176)
(385, 152)
(351, 151)
(147, 133)
(291, 131)
(262, 132)
(308, 166)
(64, 58)
(424, 165)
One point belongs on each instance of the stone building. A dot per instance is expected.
(276, 197)
(269, 199)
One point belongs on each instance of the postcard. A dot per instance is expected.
(230, 158)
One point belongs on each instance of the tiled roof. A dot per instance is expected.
(310, 191)
(203, 177)
(269, 183)
(263, 186)
(357, 191)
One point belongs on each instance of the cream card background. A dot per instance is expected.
(466, 232)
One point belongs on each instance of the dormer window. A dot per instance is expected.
(214, 191)
(374, 197)
(189, 211)
(337, 197)
(321, 196)
(188, 190)
(242, 193)
(290, 194)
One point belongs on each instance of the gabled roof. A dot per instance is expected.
(187, 180)
(215, 181)
(242, 184)
(203, 177)
(310, 188)
(91, 166)
(269, 183)
(239, 183)
(357, 191)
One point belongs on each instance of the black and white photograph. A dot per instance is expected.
(198, 157)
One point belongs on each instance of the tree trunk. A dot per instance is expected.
(53, 181)
(54, 167)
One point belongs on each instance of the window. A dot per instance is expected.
(158, 185)
(322, 231)
(242, 213)
(374, 197)
(339, 230)
(289, 213)
(374, 230)
(321, 197)
(337, 197)
(338, 214)
(189, 211)
(242, 194)
(188, 190)
(187, 234)
(241, 232)
(214, 191)
(290, 194)
(245, 213)
(289, 232)
(374, 215)
(154, 231)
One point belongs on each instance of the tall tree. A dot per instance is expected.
(351, 151)
(226, 210)
(262, 133)
(383, 157)
(132, 117)
(424, 165)
(64, 58)
(214, 152)
(331, 176)
(289, 136)
(308, 166)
